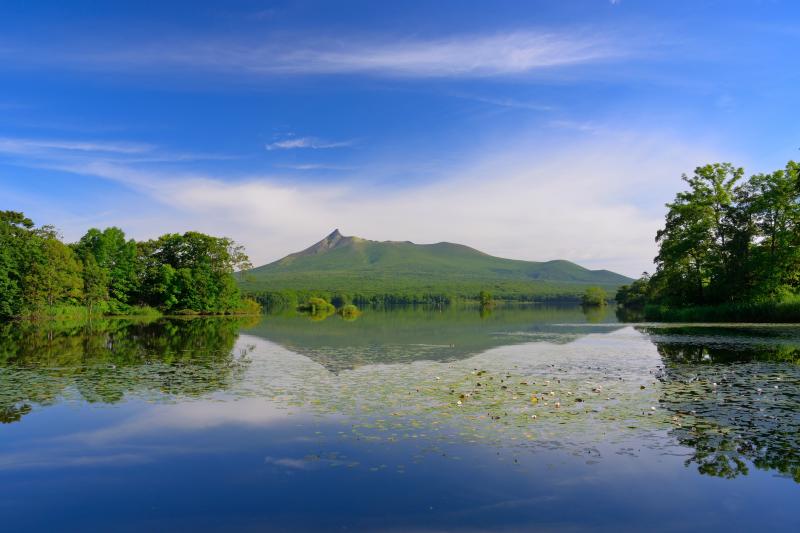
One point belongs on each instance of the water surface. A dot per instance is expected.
(409, 419)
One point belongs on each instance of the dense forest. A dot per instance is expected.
(729, 249)
(107, 273)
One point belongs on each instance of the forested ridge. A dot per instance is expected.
(368, 272)
(729, 249)
(107, 273)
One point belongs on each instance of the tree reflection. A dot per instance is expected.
(736, 403)
(103, 361)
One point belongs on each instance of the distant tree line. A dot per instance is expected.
(107, 273)
(727, 241)
(279, 299)
(292, 299)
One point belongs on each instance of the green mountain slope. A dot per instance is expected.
(352, 265)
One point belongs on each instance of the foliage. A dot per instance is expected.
(594, 297)
(633, 296)
(349, 312)
(727, 243)
(317, 308)
(116, 257)
(105, 273)
(485, 298)
(37, 270)
(16, 238)
(192, 271)
(248, 306)
(786, 309)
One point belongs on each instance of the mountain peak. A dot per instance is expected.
(334, 239)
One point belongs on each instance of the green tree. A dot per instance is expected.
(95, 283)
(116, 256)
(694, 243)
(726, 242)
(16, 240)
(192, 271)
(771, 204)
(485, 298)
(54, 275)
(595, 296)
(635, 295)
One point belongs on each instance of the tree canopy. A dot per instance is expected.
(105, 272)
(726, 240)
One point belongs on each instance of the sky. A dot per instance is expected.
(527, 129)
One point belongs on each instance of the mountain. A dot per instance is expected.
(354, 265)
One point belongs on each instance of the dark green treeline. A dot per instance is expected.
(107, 273)
(727, 241)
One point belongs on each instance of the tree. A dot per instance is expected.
(727, 242)
(54, 275)
(485, 298)
(15, 249)
(693, 245)
(635, 295)
(771, 203)
(192, 271)
(595, 296)
(116, 256)
(95, 283)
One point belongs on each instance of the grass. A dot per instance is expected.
(71, 312)
(785, 309)
(75, 312)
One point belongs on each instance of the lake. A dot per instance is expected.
(517, 418)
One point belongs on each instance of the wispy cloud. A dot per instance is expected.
(122, 152)
(315, 143)
(584, 126)
(510, 103)
(30, 146)
(464, 55)
(315, 166)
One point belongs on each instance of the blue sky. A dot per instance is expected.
(532, 129)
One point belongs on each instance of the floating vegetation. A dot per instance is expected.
(736, 415)
(107, 360)
(729, 402)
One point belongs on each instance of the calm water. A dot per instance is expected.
(518, 419)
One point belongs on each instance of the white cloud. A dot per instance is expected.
(34, 146)
(79, 150)
(597, 201)
(465, 55)
(293, 143)
(190, 416)
(315, 166)
(510, 103)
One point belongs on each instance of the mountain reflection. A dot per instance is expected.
(408, 334)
